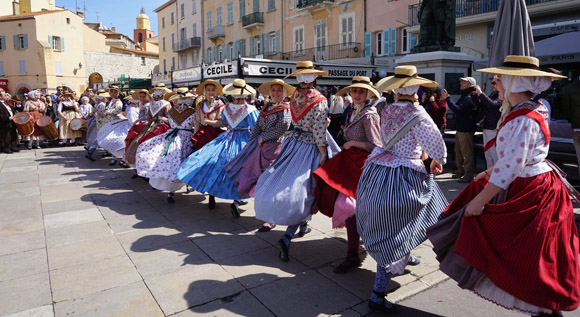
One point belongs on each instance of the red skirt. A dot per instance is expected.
(339, 174)
(204, 135)
(134, 132)
(528, 245)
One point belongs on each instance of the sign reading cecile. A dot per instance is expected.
(221, 70)
(279, 69)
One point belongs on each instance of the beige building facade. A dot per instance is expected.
(167, 34)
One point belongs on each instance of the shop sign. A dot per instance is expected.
(347, 72)
(220, 70)
(4, 84)
(161, 78)
(282, 70)
(560, 59)
(190, 74)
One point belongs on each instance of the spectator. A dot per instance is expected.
(57, 96)
(466, 116)
(335, 112)
(570, 102)
(436, 107)
(489, 105)
(8, 134)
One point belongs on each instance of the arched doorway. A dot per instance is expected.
(22, 91)
(95, 80)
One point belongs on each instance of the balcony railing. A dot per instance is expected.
(465, 8)
(301, 4)
(253, 18)
(215, 32)
(326, 53)
(187, 43)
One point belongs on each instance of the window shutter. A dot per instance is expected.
(3, 40)
(251, 46)
(15, 42)
(368, 43)
(242, 8)
(277, 41)
(265, 48)
(1, 68)
(386, 42)
(412, 40)
(50, 40)
(25, 41)
(393, 50)
(62, 44)
(243, 49)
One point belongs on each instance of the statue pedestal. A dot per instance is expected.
(442, 66)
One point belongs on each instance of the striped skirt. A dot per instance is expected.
(394, 208)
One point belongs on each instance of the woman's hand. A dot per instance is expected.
(432, 99)
(444, 94)
(348, 145)
(260, 141)
(327, 122)
(482, 176)
(436, 168)
(475, 208)
(424, 155)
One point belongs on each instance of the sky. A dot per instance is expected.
(118, 13)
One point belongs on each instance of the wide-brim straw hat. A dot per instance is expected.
(307, 67)
(135, 94)
(405, 75)
(200, 90)
(360, 82)
(70, 93)
(160, 86)
(516, 65)
(113, 88)
(130, 99)
(265, 87)
(182, 92)
(238, 87)
(16, 98)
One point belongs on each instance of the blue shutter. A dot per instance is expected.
(3, 40)
(386, 42)
(265, 43)
(62, 44)
(50, 40)
(15, 42)
(393, 50)
(368, 43)
(252, 46)
(1, 68)
(242, 9)
(243, 47)
(25, 41)
(412, 40)
(277, 41)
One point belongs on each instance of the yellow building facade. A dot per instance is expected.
(167, 33)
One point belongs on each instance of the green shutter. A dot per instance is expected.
(386, 42)
(243, 47)
(62, 44)
(252, 46)
(393, 50)
(277, 41)
(368, 43)
(265, 43)
(25, 41)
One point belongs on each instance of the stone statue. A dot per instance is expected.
(437, 19)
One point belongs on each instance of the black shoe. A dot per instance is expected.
(346, 266)
(106, 154)
(265, 228)
(304, 230)
(211, 204)
(234, 210)
(241, 202)
(283, 251)
(124, 164)
(90, 157)
(381, 308)
(170, 198)
(413, 261)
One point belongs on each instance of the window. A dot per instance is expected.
(299, 39)
(195, 57)
(140, 37)
(380, 44)
(183, 10)
(242, 8)
(163, 43)
(271, 42)
(143, 61)
(2, 42)
(271, 5)
(347, 30)
(172, 40)
(183, 34)
(21, 67)
(67, 20)
(163, 22)
(257, 45)
(218, 20)
(194, 30)
(292, 4)
(390, 41)
(230, 13)
(220, 53)
(57, 43)
(183, 61)
(2, 68)
(231, 50)
(209, 20)
(172, 18)
(20, 41)
(164, 66)
(58, 68)
(405, 41)
(193, 6)
(256, 6)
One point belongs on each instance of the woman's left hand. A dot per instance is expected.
(475, 208)
(348, 145)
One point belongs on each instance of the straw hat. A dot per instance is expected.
(516, 65)
(306, 67)
(102, 93)
(265, 87)
(182, 92)
(130, 99)
(16, 98)
(405, 75)
(238, 87)
(200, 90)
(360, 82)
(113, 88)
(159, 86)
(135, 94)
(70, 93)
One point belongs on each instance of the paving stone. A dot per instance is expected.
(63, 183)
(17, 265)
(24, 293)
(20, 208)
(192, 286)
(243, 304)
(19, 177)
(20, 226)
(42, 311)
(75, 253)
(407, 290)
(20, 190)
(434, 278)
(49, 208)
(301, 296)
(79, 193)
(225, 245)
(259, 267)
(74, 217)
(148, 239)
(212, 225)
(168, 258)
(316, 249)
(428, 264)
(92, 277)
(18, 169)
(358, 281)
(127, 300)
(78, 233)
(22, 242)
(125, 223)
(124, 207)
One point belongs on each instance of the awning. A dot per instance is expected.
(559, 49)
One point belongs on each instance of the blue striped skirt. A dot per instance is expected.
(394, 207)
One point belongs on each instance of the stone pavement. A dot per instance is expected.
(82, 238)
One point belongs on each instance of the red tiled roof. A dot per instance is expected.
(28, 15)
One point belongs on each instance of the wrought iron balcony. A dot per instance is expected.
(253, 20)
(216, 32)
(465, 8)
(185, 44)
(302, 4)
(326, 53)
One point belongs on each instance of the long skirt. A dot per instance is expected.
(337, 178)
(394, 207)
(92, 132)
(204, 169)
(205, 135)
(521, 252)
(160, 162)
(111, 136)
(138, 134)
(65, 132)
(246, 167)
(284, 194)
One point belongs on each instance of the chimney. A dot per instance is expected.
(114, 29)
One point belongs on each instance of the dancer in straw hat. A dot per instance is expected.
(95, 123)
(36, 108)
(284, 192)
(396, 199)
(510, 235)
(204, 169)
(67, 110)
(112, 117)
